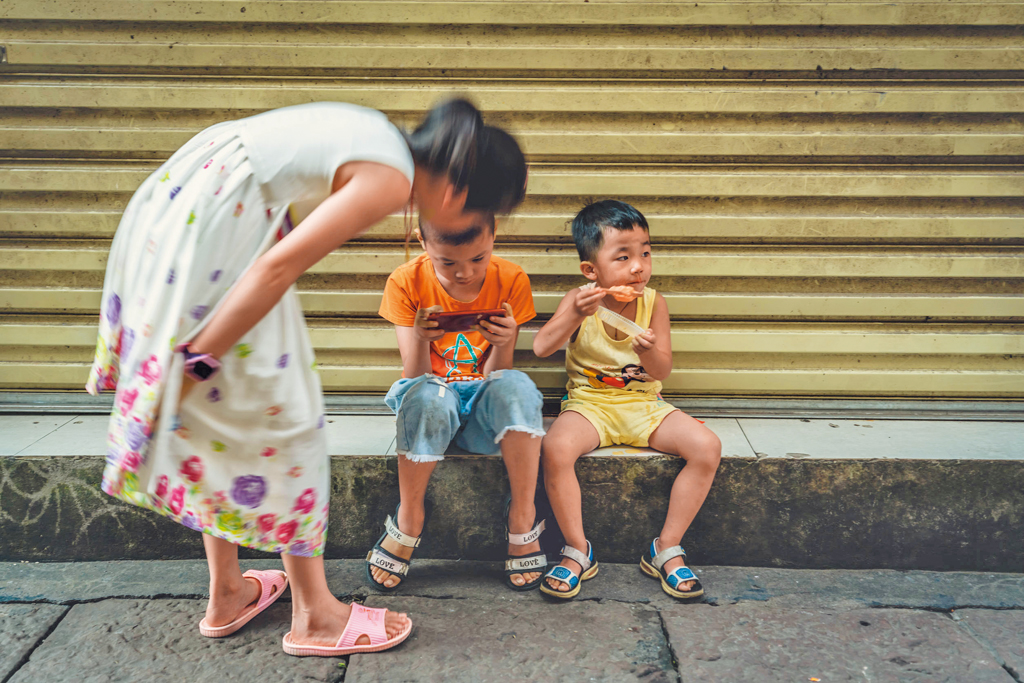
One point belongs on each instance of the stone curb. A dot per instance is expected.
(848, 513)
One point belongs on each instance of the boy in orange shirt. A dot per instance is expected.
(460, 386)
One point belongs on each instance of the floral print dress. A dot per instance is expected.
(243, 457)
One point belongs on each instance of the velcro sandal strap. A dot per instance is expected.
(577, 556)
(399, 537)
(667, 554)
(680, 575)
(379, 557)
(563, 574)
(527, 563)
(529, 536)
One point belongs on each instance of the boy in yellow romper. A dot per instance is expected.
(614, 384)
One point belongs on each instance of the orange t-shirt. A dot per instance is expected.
(456, 355)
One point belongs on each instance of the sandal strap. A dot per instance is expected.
(364, 621)
(667, 554)
(529, 536)
(271, 582)
(394, 532)
(680, 575)
(379, 557)
(580, 558)
(563, 574)
(525, 563)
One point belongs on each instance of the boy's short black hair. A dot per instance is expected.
(456, 239)
(593, 219)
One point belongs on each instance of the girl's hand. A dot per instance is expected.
(587, 301)
(426, 329)
(500, 331)
(644, 342)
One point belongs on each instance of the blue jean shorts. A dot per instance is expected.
(475, 414)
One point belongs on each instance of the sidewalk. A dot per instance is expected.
(136, 621)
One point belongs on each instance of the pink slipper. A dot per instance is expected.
(273, 584)
(363, 621)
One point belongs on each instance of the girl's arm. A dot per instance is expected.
(654, 346)
(575, 306)
(369, 192)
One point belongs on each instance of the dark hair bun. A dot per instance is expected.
(453, 141)
(446, 142)
(498, 182)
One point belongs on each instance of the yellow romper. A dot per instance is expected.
(608, 386)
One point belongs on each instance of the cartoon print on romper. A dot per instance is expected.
(460, 354)
(630, 372)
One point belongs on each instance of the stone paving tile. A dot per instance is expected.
(21, 626)
(82, 435)
(1003, 630)
(509, 640)
(359, 434)
(749, 642)
(21, 431)
(898, 439)
(116, 641)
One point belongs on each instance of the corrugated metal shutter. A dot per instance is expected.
(835, 189)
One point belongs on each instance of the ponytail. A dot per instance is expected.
(446, 142)
(454, 142)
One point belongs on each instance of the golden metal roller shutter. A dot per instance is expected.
(834, 189)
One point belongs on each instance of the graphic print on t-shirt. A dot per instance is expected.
(619, 379)
(461, 358)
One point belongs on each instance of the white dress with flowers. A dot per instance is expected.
(243, 457)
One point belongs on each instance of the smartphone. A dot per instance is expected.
(461, 321)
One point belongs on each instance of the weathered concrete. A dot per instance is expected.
(901, 514)
(21, 627)
(157, 640)
(509, 640)
(72, 582)
(752, 642)
(761, 624)
(1002, 632)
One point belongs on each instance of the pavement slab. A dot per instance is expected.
(845, 439)
(751, 642)
(82, 435)
(21, 431)
(21, 627)
(1002, 631)
(509, 640)
(71, 582)
(116, 641)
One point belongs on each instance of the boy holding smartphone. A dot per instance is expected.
(460, 386)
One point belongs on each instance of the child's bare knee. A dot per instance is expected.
(554, 454)
(710, 451)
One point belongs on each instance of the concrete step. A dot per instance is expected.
(800, 493)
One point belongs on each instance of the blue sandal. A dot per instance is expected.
(652, 563)
(568, 576)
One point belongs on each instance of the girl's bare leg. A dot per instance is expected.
(230, 593)
(318, 618)
(570, 436)
(521, 453)
(679, 434)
